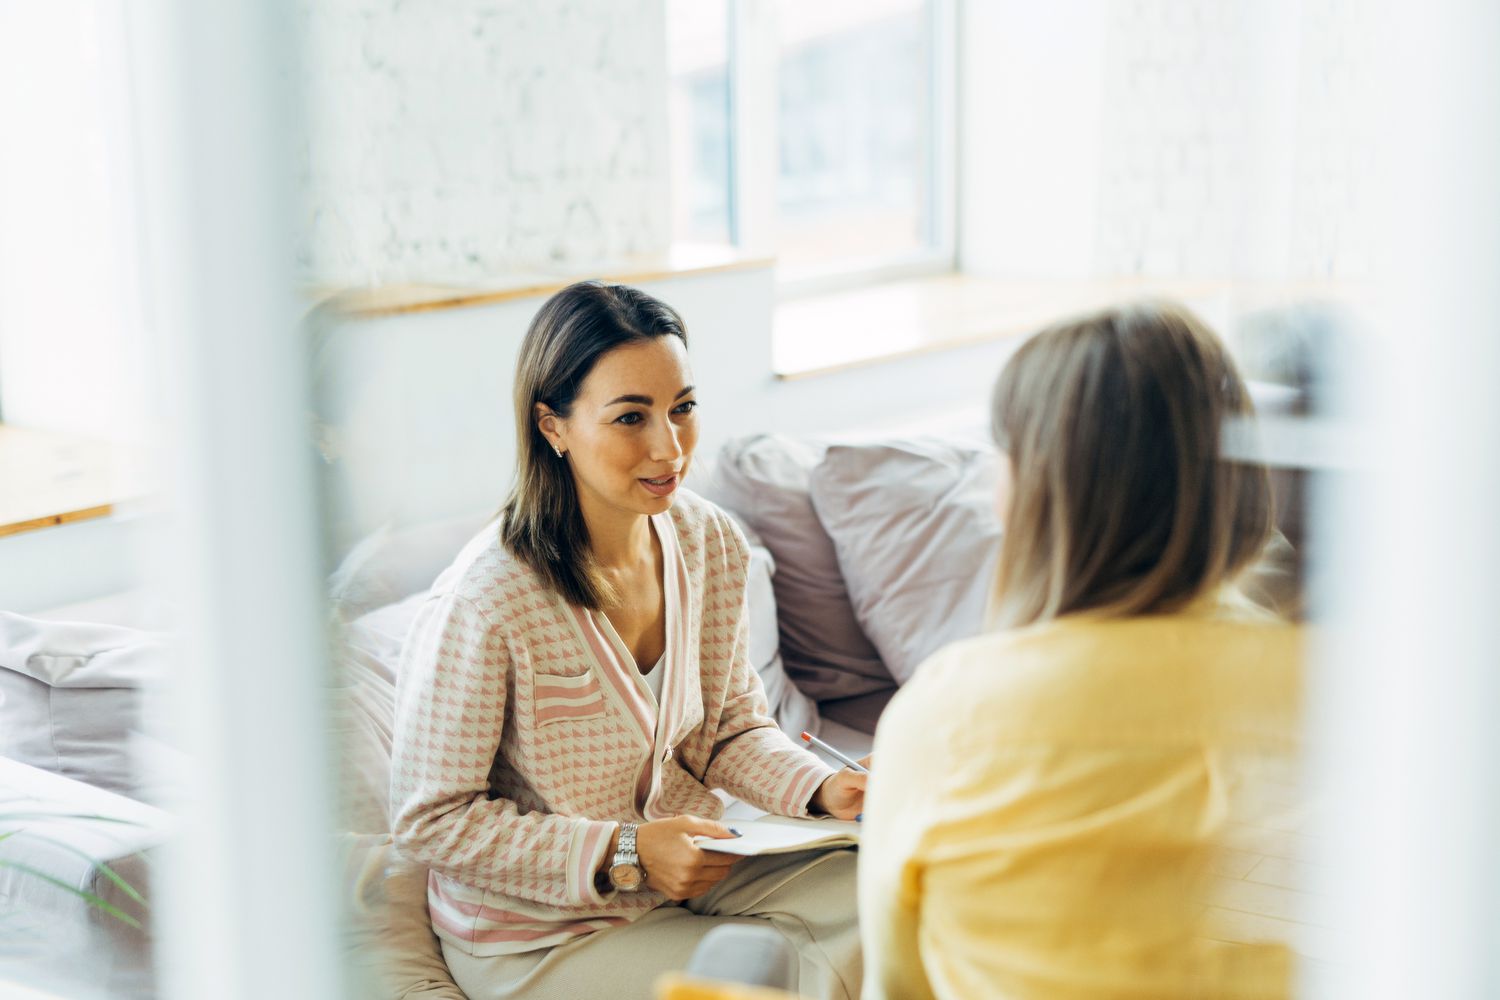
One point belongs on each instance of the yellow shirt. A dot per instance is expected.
(1052, 809)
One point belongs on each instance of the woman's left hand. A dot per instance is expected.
(842, 794)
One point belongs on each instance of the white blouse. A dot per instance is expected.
(653, 679)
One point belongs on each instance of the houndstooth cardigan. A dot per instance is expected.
(524, 733)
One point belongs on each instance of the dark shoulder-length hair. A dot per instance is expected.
(1122, 501)
(541, 522)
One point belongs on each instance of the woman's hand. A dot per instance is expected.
(842, 794)
(675, 866)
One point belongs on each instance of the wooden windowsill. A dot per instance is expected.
(394, 300)
(48, 478)
(823, 334)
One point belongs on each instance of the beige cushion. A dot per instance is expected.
(917, 536)
(764, 479)
(394, 953)
(394, 949)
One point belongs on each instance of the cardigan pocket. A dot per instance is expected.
(561, 697)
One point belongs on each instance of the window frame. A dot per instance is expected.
(752, 52)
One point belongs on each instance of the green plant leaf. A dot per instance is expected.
(103, 868)
(108, 872)
(93, 900)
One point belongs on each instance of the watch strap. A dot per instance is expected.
(625, 852)
(625, 855)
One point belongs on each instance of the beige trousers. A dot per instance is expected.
(807, 896)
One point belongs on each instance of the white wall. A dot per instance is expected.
(1029, 132)
(72, 562)
(1166, 138)
(458, 141)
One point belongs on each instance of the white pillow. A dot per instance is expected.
(392, 563)
(379, 635)
(72, 694)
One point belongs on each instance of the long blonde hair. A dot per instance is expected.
(1121, 502)
(541, 522)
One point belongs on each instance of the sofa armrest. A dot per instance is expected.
(55, 830)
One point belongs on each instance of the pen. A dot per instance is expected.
(853, 764)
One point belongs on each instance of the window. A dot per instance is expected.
(820, 132)
(698, 64)
(72, 341)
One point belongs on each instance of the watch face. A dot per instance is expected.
(625, 877)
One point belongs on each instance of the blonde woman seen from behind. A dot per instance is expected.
(1056, 799)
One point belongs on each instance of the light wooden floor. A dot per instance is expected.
(1264, 884)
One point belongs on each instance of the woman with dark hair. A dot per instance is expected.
(578, 683)
(1056, 798)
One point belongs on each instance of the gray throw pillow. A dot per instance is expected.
(917, 536)
(793, 710)
(765, 479)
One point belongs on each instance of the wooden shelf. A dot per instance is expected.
(48, 479)
(394, 300)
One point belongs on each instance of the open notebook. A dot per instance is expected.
(782, 835)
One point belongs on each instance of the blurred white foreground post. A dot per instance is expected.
(248, 905)
(1407, 712)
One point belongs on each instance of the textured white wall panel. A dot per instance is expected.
(1167, 138)
(456, 141)
(1236, 139)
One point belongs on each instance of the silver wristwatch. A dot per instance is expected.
(625, 872)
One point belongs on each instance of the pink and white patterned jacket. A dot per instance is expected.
(524, 733)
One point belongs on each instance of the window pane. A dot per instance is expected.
(855, 122)
(698, 61)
